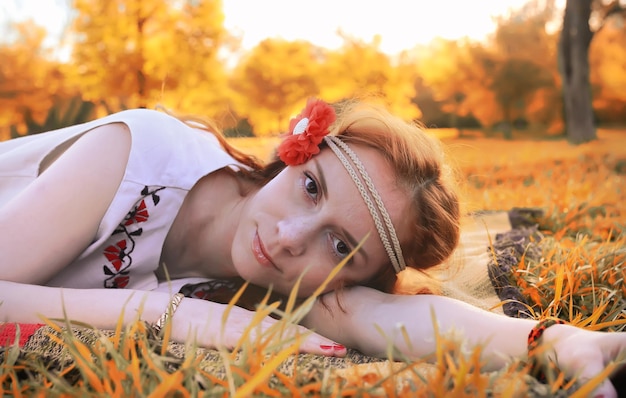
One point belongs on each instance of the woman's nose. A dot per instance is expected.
(293, 234)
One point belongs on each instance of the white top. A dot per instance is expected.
(166, 159)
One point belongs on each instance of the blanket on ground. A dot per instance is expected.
(490, 248)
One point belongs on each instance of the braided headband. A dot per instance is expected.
(375, 206)
(308, 130)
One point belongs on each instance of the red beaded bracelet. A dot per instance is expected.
(537, 331)
(534, 339)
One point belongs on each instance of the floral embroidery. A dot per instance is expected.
(137, 215)
(119, 254)
(307, 131)
(116, 254)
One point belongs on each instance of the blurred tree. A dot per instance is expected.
(524, 64)
(607, 59)
(30, 81)
(356, 69)
(110, 51)
(446, 68)
(137, 53)
(508, 78)
(195, 79)
(576, 36)
(65, 111)
(433, 115)
(359, 69)
(400, 91)
(514, 82)
(478, 85)
(273, 81)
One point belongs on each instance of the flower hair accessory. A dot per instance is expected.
(306, 132)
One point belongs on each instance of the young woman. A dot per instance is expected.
(113, 216)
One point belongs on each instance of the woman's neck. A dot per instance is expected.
(199, 241)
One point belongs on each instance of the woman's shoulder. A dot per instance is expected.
(158, 125)
(148, 121)
(169, 149)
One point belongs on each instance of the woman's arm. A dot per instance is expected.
(366, 312)
(195, 319)
(55, 218)
(579, 352)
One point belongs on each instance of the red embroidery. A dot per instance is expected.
(119, 254)
(116, 254)
(137, 215)
(121, 281)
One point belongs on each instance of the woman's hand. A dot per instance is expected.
(584, 354)
(366, 313)
(215, 325)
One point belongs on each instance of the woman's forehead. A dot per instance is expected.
(377, 167)
(342, 187)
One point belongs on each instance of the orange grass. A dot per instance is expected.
(579, 278)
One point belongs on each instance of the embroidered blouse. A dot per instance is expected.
(166, 159)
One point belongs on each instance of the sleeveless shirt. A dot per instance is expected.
(167, 157)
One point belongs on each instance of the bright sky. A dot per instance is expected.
(401, 24)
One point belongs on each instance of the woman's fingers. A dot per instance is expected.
(308, 342)
(586, 355)
(320, 345)
(312, 343)
(590, 369)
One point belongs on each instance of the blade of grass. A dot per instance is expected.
(248, 388)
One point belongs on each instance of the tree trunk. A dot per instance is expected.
(574, 69)
(141, 77)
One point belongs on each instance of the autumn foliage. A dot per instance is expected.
(119, 54)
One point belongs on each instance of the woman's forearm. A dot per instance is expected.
(100, 308)
(201, 321)
(369, 312)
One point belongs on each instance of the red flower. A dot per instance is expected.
(116, 253)
(307, 131)
(138, 214)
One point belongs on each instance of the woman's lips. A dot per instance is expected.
(259, 252)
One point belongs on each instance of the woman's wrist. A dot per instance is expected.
(169, 312)
(535, 336)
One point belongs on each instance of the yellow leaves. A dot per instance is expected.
(279, 74)
(28, 80)
(607, 57)
(129, 53)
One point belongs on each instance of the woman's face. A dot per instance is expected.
(309, 218)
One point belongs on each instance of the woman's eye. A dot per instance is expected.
(310, 186)
(340, 247)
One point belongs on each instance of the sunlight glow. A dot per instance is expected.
(400, 24)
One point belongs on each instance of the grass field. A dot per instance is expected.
(579, 278)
